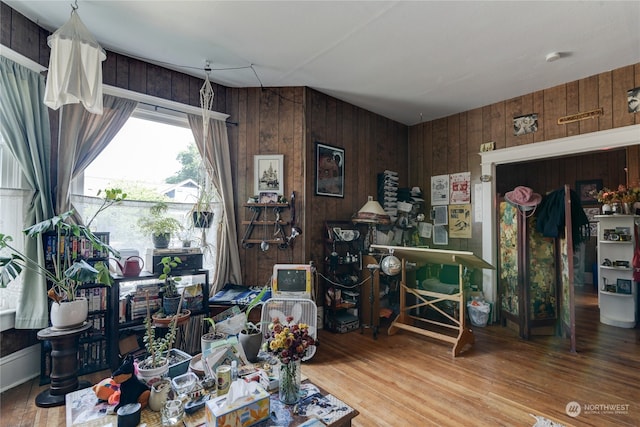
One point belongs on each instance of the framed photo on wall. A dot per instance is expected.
(329, 170)
(268, 173)
(583, 188)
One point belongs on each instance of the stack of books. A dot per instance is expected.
(138, 302)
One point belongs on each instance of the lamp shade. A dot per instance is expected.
(372, 212)
(75, 67)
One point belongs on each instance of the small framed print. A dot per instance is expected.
(585, 189)
(268, 197)
(623, 286)
(610, 288)
(268, 173)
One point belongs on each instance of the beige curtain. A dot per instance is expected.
(219, 162)
(82, 137)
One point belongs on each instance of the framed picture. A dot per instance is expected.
(525, 124)
(610, 288)
(623, 286)
(268, 197)
(583, 188)
(329, 170)
(268, 173)
(633, 100)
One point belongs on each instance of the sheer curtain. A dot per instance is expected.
(82, 137)
(219, 159)
(25, 129)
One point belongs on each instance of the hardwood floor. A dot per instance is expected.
(410, 380)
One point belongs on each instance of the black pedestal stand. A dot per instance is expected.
(64, 365)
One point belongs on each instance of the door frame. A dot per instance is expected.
(571, 145)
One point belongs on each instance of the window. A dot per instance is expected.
(139, 160)
(14, 197)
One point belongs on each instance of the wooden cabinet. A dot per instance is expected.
(617, 292)
(342, 266)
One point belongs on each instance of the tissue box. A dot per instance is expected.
(244, 412)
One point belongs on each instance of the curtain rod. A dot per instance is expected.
(156, 107)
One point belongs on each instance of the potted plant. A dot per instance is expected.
(156, 364)
(208, 340)
(67, 273)
(202, 210)
(111, 197)
(170, 296)
(159, 224)
(251, 335)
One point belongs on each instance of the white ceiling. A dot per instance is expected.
(410, 61)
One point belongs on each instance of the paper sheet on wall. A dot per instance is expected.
(424, 229)
(477, 202)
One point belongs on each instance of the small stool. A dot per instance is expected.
(64, 365)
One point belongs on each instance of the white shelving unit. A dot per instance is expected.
(617, 292)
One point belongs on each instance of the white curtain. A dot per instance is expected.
(82, 137)
(219, 162)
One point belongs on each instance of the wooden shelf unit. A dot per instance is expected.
(255, 221)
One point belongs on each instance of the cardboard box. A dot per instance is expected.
(244, 412)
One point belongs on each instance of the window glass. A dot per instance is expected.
(141, 159)
(13, 201)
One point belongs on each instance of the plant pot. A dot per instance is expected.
(210, 341)
(164, 321)
(159, 394)
(251, 343)
(161, 241)
(150, 376)
(170, 305)
(202, 219)
(69, 314)
(178, 362)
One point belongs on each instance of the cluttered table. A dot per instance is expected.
(316, 408)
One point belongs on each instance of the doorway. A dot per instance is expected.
(569, 146)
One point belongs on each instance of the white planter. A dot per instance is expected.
(152, 375)
(210, 341)
(69, 314)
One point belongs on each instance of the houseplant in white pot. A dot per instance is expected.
(67, 273)
(156, 365)
(209, 339)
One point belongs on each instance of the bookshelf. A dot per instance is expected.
(93, 344)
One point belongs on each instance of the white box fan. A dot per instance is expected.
(302, 310)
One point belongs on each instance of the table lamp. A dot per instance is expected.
(372, 214)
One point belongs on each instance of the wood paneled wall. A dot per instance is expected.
(269, 121)
(372, 144)
(452, 144)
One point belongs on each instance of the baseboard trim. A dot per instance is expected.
(19, 367)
